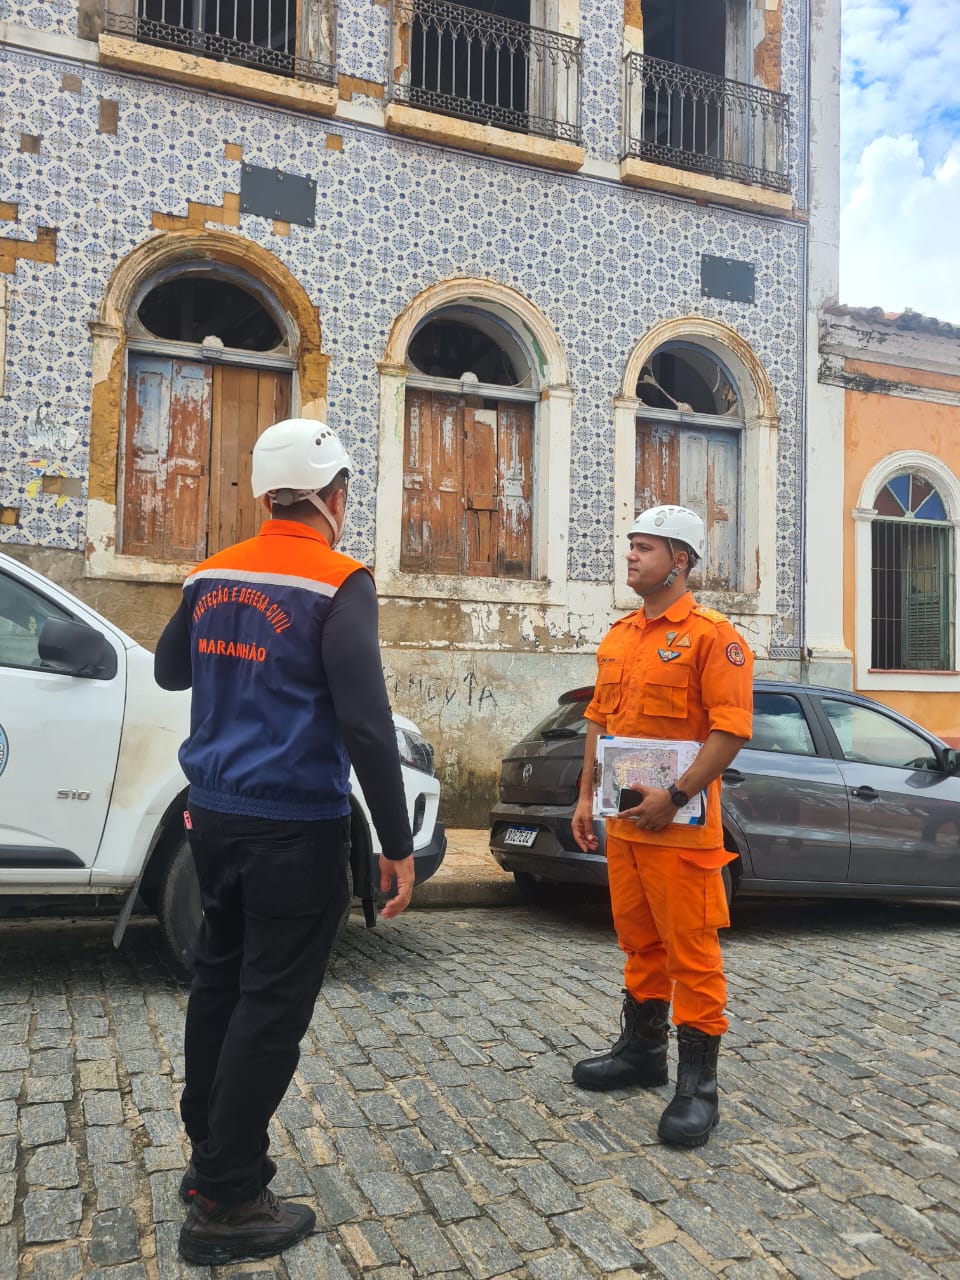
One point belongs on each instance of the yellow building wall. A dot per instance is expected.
(876, 425)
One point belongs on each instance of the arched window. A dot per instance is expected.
(689, 439)
(468, 456)
(209, 366)
(912, 578)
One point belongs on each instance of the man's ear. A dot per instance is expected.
(267, 504)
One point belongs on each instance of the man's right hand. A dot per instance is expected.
(583, 831)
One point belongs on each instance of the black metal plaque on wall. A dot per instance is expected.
(727, 278)
(271, 193)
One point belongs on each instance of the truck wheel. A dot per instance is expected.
(178, 908)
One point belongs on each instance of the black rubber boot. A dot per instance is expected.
(188, 1183)
(214, 1234)
(639, 1058)
(693, 1111)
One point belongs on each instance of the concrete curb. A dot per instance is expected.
(466, 892)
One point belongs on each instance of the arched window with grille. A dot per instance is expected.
(912, 578)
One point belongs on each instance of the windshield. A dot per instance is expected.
(563, 721)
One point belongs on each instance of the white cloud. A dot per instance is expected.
(898, 243)
(900, 151)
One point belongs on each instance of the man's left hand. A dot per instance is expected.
(655, 812)
(404, 874)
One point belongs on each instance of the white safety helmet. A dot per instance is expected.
(293, 460)
(300, 455)
(678, 524)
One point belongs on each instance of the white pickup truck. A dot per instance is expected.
(91, 792)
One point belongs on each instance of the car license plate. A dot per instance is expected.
(524, 836)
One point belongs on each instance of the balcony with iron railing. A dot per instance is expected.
(687, 119)
(266, 35)
(479, 67)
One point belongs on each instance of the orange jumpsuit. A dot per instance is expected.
(677, 677)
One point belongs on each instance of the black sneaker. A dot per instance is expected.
(214, 1234)
(188, 1183)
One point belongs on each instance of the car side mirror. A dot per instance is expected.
(75, 649)
(951, 760)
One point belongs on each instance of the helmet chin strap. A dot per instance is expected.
(335, 525)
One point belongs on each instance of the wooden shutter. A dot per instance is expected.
(515, 470)
(432, 516)
(167, 446)
(698, 468)
(480, 486)
(245, 402)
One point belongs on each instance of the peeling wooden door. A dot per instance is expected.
(245, 402)
(467, 487)
(432, 517)
(166, 458)
(696, 467)
(515, 468)
(190, 431)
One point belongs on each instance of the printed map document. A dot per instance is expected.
(625, 763)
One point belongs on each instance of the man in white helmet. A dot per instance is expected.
(671, 671)
(277, 636)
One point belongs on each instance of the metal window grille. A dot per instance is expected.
(480, 66)
(913, 590)
(690, 119)
(255, 33)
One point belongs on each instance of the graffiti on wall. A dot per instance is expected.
(434, 694)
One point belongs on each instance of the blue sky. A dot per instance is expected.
(900, 156)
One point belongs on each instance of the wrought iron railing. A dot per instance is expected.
(266, 34)
(479, 66)
(689, 119)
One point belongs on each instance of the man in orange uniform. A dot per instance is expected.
(672, 670)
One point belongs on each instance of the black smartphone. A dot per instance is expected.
(628, 798)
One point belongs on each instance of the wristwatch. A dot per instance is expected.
(679, 798)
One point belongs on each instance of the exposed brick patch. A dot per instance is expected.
(66, 486)
(71, 84)
(766, 56)
(334, 142)
(109, 116)
(30, 142)
(9, 515)
(347, 86)
(227, 215)
(9, 212)
(281, 228)
(43, 249)
(233, 151)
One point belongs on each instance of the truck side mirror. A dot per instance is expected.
(951, 760)
(75, 649)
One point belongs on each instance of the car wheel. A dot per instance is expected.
(178, 907)
(729, 884)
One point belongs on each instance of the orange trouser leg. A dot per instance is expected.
(667, 911)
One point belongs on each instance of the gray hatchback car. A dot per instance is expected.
(834, 795)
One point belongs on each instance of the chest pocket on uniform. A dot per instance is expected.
(607, 690)
(665, 692)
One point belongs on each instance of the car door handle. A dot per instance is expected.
(733, 777)
(865, 793)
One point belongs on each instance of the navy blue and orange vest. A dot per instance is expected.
(264, 740)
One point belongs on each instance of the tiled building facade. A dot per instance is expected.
(128, 167)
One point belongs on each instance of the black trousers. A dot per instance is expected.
(273, 894)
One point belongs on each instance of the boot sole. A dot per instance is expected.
(689, 1141)
(212, 1255)
(603, 1087)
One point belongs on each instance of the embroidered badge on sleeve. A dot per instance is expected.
(735, 654)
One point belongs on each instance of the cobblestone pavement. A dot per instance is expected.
(433, 1126)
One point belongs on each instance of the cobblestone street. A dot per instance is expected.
(433, 1125)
